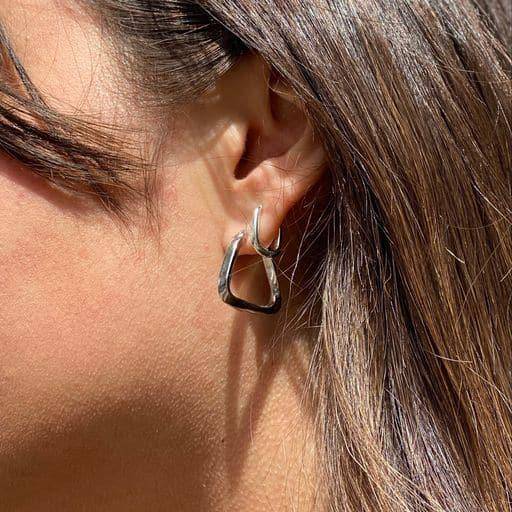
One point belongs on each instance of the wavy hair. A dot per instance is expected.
(411, 370)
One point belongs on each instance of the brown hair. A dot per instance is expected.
(412, 366)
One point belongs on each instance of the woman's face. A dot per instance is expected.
(100, 328)
(90, 317)
(93, 320)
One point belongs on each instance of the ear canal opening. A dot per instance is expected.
(272, 139)
(247, 161)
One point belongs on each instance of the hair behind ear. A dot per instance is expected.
(412, 105)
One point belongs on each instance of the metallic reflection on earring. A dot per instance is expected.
(267, 254)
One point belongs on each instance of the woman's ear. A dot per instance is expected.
(278, 156)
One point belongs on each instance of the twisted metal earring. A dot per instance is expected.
(267, 254)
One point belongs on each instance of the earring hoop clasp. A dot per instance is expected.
(271, 251)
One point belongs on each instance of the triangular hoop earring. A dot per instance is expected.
(267, 254)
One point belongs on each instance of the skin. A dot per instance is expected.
(125, 382)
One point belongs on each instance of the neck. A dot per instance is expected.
(251, 448)
(268, 446)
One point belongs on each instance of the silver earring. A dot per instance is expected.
(267, 254)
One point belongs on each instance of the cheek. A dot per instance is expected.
(42, 250)
(89, 319)
(65, 286)
(81, 305)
